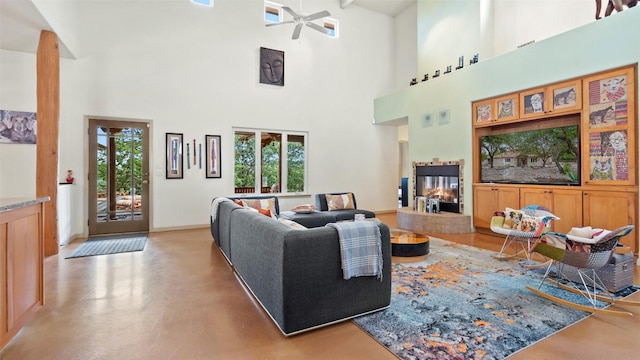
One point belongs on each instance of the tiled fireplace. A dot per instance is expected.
(441, 180)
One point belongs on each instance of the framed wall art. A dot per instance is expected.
(271, 67)
(174, 156)
(213, 169)
(17, 127)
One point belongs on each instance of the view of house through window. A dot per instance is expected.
(282, 161)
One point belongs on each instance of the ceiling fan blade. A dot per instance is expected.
(292, 13)
(280, 23)
(318, 27)
(317, 15)
(296, 32)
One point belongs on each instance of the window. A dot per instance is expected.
(332, 26)
(203, 2)
(272, 12)
(281, 165)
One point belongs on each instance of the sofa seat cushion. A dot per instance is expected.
(310, 220)
(349, 214)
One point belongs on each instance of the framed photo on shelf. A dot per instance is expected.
(174, 156)
(507, 107)
(213, 169)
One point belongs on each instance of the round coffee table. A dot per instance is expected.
(408, 244)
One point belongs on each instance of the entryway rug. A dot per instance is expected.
(461, 303)
(111, 244)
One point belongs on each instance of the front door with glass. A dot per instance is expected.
(118, 176)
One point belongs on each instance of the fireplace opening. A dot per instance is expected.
(440, 182)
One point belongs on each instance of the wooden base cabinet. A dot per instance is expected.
(611, 210)
(21, 268)
(564, 203)
(489, 199)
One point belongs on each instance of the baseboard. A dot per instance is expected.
(176, 228)
(382, 212)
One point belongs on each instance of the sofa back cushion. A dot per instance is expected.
(260, 202)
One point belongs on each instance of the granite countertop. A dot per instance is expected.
(8, 204)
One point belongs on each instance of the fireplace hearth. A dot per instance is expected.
(440, 182)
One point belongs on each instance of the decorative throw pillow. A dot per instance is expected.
(340, 202)
(239, 202)
(304, 208)
(292, 224)
(584, 232)
(262, 204)
(265, 212)
(532, 224)
(512, 218)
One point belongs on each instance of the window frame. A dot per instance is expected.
(275, 6)
(333, 25)
(284, 134)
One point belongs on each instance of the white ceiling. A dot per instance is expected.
(389, 7)
(21, 22)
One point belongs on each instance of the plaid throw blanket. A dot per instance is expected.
(360, 248)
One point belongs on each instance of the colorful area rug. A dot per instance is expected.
(461, 303)
(111, 244)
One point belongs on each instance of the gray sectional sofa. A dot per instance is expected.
(296, 274)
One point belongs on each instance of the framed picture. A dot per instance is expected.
(507, 107)
(174, 156)
(483, 112)
(17, 127)
(213, 156)
(271, 67)
(566, 96)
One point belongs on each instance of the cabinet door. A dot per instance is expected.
(611, 210)
(485, 203)
(487, 200)
(508, 197)
(536, 196)
(565, 96)
(483, 112)
(567, 205)
(534, 103)
(3, 282)
(608, 128)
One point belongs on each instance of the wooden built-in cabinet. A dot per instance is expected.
(604, 107)
(21, 268)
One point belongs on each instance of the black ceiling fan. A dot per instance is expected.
(301, 19)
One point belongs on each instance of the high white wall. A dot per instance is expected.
(585, 50)
(448, 29)
(194, 70)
